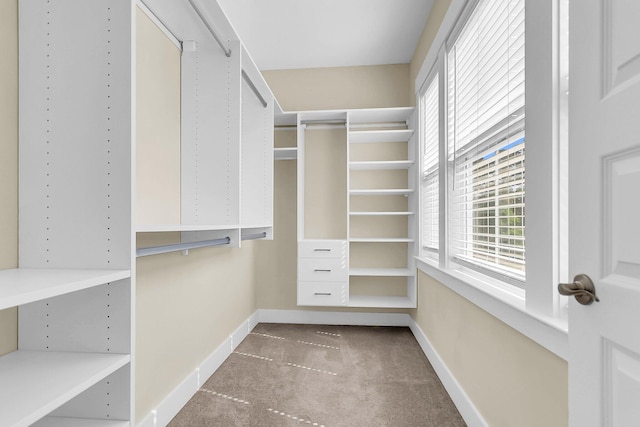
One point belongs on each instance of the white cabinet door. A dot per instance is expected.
(604, 203)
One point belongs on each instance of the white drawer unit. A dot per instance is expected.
(323, 270)
(324, 294)
(323, 249)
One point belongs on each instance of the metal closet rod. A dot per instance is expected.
(253, 87)
(225, 49)
(155, 250)
(254, 236)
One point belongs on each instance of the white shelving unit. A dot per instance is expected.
(379, 209)
(380, 151)
(75, 281)
(226, 147)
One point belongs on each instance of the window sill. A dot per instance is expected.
(506, 304)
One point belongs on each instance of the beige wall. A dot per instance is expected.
(438, 10)
(186, 306)
(157, 127)
(511, 380)
(340, 87)
(8, 160)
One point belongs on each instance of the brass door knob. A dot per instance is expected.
(582, 288)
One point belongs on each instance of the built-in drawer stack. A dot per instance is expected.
(323, 272)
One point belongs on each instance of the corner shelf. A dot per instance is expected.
(381, 165)
(289, 153)
(381, 192)
(49, 379)
(372, 136)
(380, 302)
(380, 240)
(24, 285)
(382, 272)
(376, 213)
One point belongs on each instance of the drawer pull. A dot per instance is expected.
(322, 270)
(321, 250)
(323, 293)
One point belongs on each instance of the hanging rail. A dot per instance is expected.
(254, 236)
(253, 87)
(225, 49)
(155, 250)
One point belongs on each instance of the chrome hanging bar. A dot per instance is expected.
(155, 250)
(254, 236)
(225, 49)
(253, 87)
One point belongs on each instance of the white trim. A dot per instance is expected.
(334, 318)
(164, 412)
(465, 406)
(450, 18)
(510, 308)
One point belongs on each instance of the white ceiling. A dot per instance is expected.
(285, 34)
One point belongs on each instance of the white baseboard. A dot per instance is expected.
(465, 406)
(174, 401)
(334, 318)
(171, 405)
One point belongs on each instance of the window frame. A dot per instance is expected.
(536, 310)
(422, 92)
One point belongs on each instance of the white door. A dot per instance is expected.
(604, 218)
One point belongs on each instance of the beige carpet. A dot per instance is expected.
(294, 375)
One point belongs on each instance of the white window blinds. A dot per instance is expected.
(486, 139)
(430, 170)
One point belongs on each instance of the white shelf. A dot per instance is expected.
(370, 136)
(289, 153)
(370, 213)
(34, 383)
(24, 285)
(380, 240)
(381, 302)
(79, 422)
(381, 192)
(380, 165)
(381, 272)
(167, 228)
(372, 115)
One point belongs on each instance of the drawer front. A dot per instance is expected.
(322, 270)
(322, 249)
(327, 294)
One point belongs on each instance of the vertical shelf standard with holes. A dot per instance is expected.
(74, 283)
(356, 231)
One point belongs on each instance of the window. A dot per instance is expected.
(485, 138)
(478, 53)
(430, 181)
